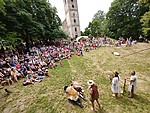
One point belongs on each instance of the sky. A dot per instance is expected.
(86, 9)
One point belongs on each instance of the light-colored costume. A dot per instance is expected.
(133, 83)
(115, 85)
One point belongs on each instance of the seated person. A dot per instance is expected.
(73, 95)
(14, 74)
(8, 78)
(79, 89)
(27, 82)
(40, 74)
(3, 82)
(46, 73)
(76, 86)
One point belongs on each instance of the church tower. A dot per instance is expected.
(71, 24)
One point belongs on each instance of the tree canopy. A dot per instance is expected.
(145, 20)
(95, 27)
(125, 18)
(29, 20)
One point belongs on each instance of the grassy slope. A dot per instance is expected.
(48, 96)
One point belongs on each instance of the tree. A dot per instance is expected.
(145, 19)
(95, 28)
(124, 19)
(30, 20)
(2, 8)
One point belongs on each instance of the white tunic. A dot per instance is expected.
(115, 85)
(133, 83)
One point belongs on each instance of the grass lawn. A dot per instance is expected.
(48, 96)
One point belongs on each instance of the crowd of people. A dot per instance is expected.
(35, 65)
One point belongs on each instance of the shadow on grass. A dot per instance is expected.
(124, 100)
(101, 110)
(73, 103)
(4, 96)
(141, 99)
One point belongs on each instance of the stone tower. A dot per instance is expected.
(71, 24)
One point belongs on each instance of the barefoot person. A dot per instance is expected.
(94, 94)
(132, 84)
(115, 84)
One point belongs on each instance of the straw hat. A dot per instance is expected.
(90, 82)
(116, 72)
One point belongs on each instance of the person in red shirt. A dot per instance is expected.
(94, 94)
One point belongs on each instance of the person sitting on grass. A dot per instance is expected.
(45, 72)
(79, 89)
(73, 95)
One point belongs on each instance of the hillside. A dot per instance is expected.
(48, 96)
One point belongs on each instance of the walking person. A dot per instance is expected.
(115, 84)
(94, 94)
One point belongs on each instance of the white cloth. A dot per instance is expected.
(133, 82)
(115, 85)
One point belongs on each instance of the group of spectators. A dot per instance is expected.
(35, 64)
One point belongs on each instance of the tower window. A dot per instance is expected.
(71, 0)
(76, 35)
(74, 20)
(75, 29)
(73, 15)
(72, 6)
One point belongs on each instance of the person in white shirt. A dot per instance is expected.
(132, 84)
(115, 84)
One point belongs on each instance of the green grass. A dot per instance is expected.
(48, 96)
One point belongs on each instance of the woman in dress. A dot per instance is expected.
(115, 84)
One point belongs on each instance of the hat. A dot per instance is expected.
(90, 82)
(116, 72)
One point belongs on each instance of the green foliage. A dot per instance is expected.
(95, 28)
(11, 39)
(2, 8)
(30, 20)
(145, 19)
(124, 18)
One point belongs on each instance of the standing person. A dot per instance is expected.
(132, 84)
(130, 41)
(115, 84)
(94, 94)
